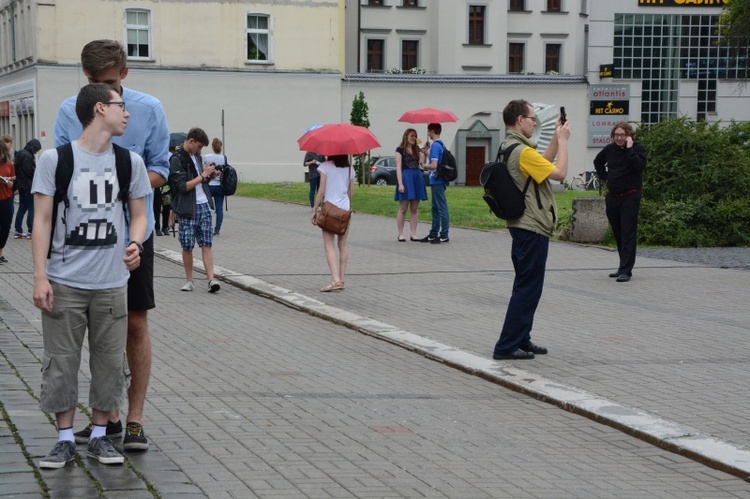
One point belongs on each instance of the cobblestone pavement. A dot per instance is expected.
(251, 398)
(726, 258)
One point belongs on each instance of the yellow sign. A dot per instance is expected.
(682, 3)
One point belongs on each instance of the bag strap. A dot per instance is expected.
(506, 153)
(63, 175)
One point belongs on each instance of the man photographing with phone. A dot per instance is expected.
(192, 202)
(530, 232)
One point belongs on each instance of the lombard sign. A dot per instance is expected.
(609, 104)
(682, 3)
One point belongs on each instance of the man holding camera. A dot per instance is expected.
(192, 202)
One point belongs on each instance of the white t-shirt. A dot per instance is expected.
(92, 239)
(337, 184)
(217, 159)
(200, 194)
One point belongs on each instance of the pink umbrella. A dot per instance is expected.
(428, 115)
(338, 138)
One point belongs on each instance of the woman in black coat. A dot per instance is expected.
(621, 164)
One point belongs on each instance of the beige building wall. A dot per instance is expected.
(198, 33)
(196, 67)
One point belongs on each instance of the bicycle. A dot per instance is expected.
(585, 181)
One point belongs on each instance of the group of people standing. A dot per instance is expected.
(329, 184)
(16, 175)
(93, 249)
(410, 187)
(100, 282)
(620, 164)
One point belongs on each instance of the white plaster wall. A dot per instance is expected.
(388, 102)
(265, 114)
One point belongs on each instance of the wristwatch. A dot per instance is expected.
(137, 245)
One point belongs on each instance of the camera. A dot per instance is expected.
(218, 168)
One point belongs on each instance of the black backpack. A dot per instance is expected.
(228, 178)
(64, 174)
(502, 195)
(447, 169)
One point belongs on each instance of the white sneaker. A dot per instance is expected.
(188, 286)
(213, 286)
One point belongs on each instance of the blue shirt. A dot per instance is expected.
(147, 135)
(436, 152)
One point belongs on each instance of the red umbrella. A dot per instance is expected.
(338, 138)
(428, 115)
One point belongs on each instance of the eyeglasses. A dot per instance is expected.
(116, 103)
(529, 117)
(621, 135)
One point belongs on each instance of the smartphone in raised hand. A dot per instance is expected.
(563, 115)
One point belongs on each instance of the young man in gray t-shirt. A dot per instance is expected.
(82, 285)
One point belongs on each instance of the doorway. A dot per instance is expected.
(475, 159)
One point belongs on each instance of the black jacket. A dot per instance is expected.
(181, 171)
(621, 167)
(25, 165)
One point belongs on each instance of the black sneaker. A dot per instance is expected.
(444, 240)
(114, 430)
(134, 438)
(427, 239)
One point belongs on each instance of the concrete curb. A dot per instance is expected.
(674, 437)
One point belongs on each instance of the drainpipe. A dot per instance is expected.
(13, 31)
(359, 37)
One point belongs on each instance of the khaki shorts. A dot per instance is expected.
(104, 313)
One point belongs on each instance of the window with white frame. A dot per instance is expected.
(138, 33)
(554, 5)
(515, 57)
(375, 55)
(409, 54)
(552, 57)
(476, 24)
(258, 38)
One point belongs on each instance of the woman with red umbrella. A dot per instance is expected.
(410, 188)
(336, 141)
(336, 185)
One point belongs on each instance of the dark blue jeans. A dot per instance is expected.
(25, 204)
(218, 196)
(314, 186)
(440, 215)
(529, 255)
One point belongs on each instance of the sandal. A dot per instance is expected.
(338, 286)
(328, 288)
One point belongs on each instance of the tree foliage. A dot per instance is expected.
(735, 26)
(360, 116)
(696, 185)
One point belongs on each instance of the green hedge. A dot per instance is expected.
(696, 185)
